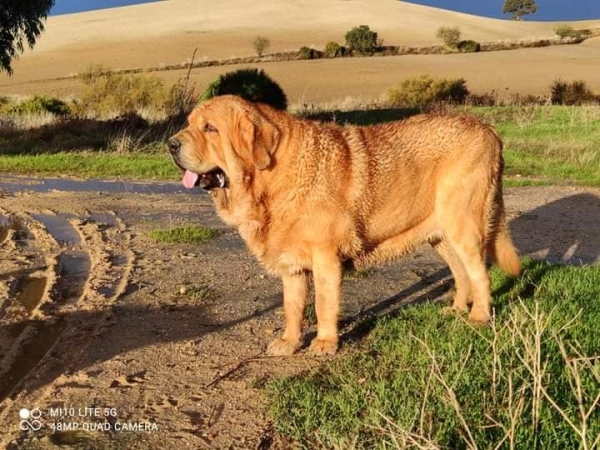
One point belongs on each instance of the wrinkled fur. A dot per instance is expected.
(306, 196)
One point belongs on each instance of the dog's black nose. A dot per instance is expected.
(174, 145)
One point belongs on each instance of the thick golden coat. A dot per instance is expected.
(304, 195)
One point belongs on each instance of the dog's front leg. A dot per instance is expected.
(295, 290)
(327, 272)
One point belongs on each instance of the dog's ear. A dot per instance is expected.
(191, 118)
(258, 139)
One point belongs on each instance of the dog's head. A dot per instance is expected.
(226, 139)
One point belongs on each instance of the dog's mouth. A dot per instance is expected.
(210, 180)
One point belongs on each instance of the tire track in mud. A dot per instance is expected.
(69, 265)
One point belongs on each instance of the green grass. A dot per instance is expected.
(191, 234)
(88, 164)
(423, 379)
(549, 143)
(543, 145)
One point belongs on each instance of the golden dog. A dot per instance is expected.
(307, 196)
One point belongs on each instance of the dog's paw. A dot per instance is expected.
(282, 347)
(321, 347)
(479, 316)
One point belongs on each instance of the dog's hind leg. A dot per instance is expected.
(468, 245)
(462, 297)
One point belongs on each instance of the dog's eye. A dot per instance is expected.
(208, 128)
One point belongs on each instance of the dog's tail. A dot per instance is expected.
(502, 249)
(500, 246)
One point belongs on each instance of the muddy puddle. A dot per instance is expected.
(30, 291)
(73, 272)
(16, 184)
(35, 336)
(32, 351)
(59, 227)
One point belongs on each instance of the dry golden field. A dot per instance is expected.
(164, 33)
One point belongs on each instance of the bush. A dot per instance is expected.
(261, 45)
(565, 31)
(468, 46)
(5, 103)
(334, 50)
(425, 91)
(309, 53)
(109, 93)
(584, 34)
(40, 104)
(570, 93)
(251, 84)
(362, 39)
(450, 36)
(181, 99)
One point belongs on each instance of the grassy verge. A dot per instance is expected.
(543, 145)
(184, 235)
(87, 164)
(549, 143)
(423, 379)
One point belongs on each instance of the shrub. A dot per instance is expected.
(570, 93)
(468, 46)
(251, 84)
(362, 39)
(334, 50)
(485, 99)
(565, 31)
(5, 103)
(40, 104)
(309, 53)
(181, 99)
(111, 93)
(261, 45)
(423, 91)
(584, 34)
(450, 36)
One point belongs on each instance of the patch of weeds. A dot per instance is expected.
(196, 292)
(310, 314)
(423, 379)
(191, 234)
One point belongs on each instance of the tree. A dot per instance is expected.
(260, 44)
(450, 35)
(519, 8)
(362, 39)
(21, 21)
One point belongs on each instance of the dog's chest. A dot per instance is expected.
(278, 255)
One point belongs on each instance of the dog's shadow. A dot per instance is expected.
(565, 231)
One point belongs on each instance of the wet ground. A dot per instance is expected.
(162, 344)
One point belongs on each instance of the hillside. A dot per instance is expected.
(162, 33)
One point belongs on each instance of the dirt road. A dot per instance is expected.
(111, 340)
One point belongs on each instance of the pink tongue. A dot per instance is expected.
(190, 179)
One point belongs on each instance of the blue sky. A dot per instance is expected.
(547, 9)
(71, 6)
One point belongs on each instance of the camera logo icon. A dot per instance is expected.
(30, 419)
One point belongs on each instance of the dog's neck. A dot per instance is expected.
(243, 206)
